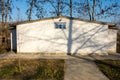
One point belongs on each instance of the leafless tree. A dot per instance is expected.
(70, 8)
(35, 6)
(6, 9)
(96, 9)
(58, 6)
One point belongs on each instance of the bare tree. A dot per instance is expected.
(36, 6)
(58, 6)
(70, 8)
(2, 10)
(93, 9)
(96, 9)
(6, 10)
(29, 11)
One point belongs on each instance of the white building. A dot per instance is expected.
(64, 35)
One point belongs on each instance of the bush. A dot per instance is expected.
(2, 50)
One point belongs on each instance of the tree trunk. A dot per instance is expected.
(88, 8)
(70, 8)
(6, 18)
(30, 11)
(7, 7)
(2, 1)
(93, 9)
(58, 12)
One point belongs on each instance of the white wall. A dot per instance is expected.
(84, 37)
(41, 37)
(112, 41)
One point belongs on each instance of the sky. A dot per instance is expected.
(22, 5)
(19, 9)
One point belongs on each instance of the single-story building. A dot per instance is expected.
(64, 35)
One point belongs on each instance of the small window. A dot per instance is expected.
(60, 25)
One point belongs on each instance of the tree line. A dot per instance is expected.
(85, 9)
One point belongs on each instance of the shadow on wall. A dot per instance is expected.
(28, 38)
(83, 39)
(69, 44)
(88, 39)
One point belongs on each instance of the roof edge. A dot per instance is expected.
(61, 16)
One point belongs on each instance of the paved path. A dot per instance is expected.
(84, 68)
(77, 67)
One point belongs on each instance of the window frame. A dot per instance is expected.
(60, 25)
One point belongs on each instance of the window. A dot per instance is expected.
(60, 25)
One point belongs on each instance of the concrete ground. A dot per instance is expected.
(77, 67)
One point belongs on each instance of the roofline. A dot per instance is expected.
(24, 22)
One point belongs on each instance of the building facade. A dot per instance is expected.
(64, 35)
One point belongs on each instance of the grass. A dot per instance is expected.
(32, 69)
(111, 68)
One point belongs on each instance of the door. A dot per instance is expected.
(118, 41)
